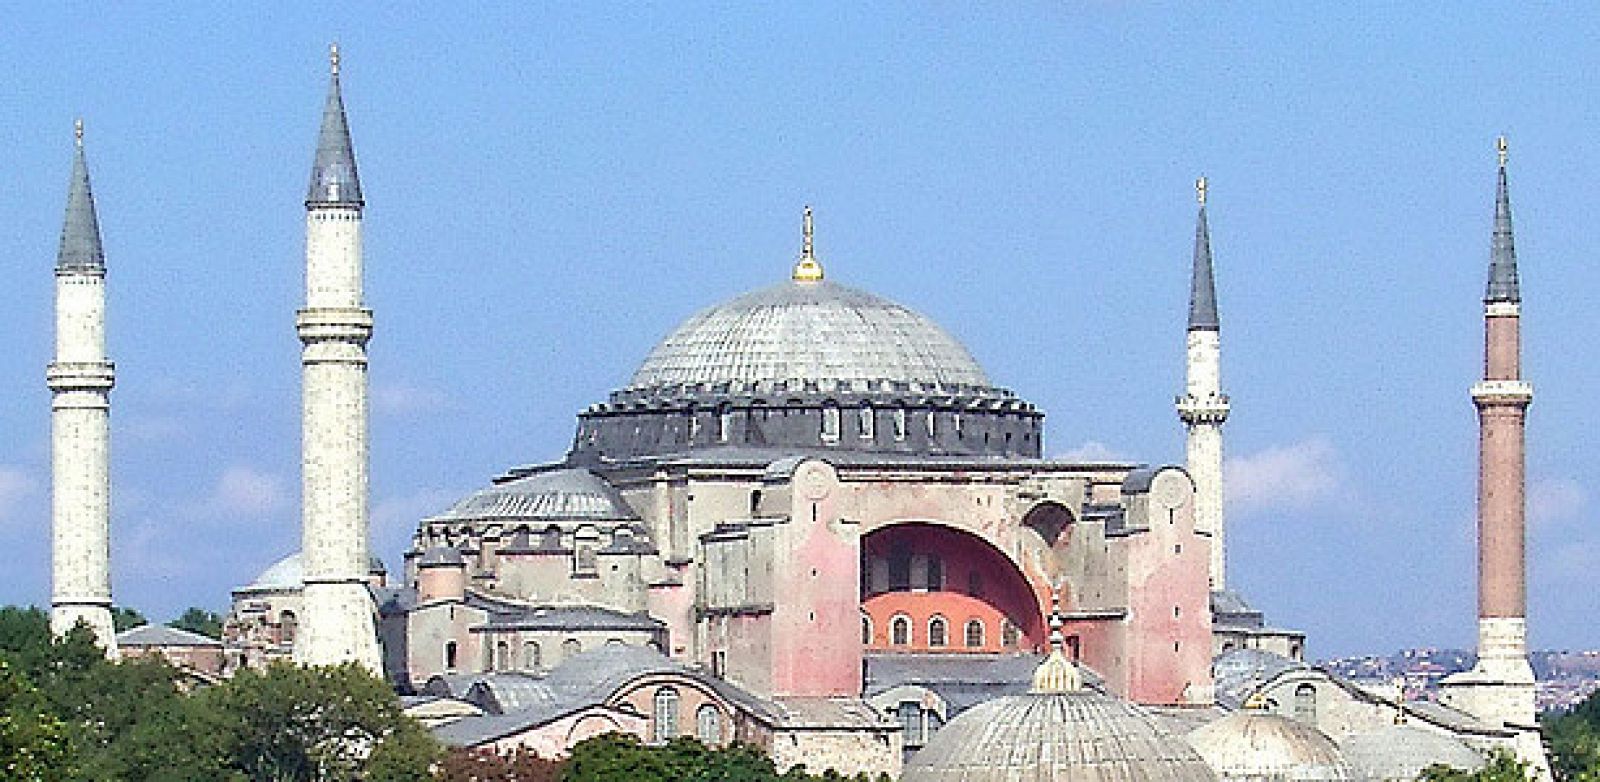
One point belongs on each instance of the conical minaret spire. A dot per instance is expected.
(1503, 286)
(333, 174)
(80, 380)
(336, 624)
(1203, 407)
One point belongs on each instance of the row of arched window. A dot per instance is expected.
(938, 632)
(664, 723)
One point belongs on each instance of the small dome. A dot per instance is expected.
(809, 332)
(289, 573)
(1054, 737)
(554, 495)
(1263, 747)
(1401, 752)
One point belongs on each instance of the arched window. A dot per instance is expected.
(665, 725)
(502, 656)
(571, 648)
(450, 655)
(866, 630)
(724, 422)
(288, 626)
(1305, 703)
(830, 422)
(974, 634)
(694, 423)
(900, 424)
(938, 630)
(1010, 636)
(867, 425)
(919, 572)
(708, 725)
(909, 714)
(584, 546)
(900, 631)
(550, 539)
(931, 418)
(530, 655)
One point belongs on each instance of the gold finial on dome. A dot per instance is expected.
(808, 269)
(77, 130)
(333, 58)
(1056, 675)
(1500, 149)
(1200, 190)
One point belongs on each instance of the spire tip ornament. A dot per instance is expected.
(1200, 190)
(1500, 150)
(807, 269)
(77, 130)
(333, 58)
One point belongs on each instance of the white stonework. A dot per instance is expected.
(80, 380)
(1203, 409)
(337, 623)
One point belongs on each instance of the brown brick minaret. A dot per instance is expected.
(1500, 689)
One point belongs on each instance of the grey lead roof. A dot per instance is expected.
(161, 635)
(1503, 284)
(570, 494)
(80, 233)
(812, 331)
(1203, 287)
(333, 173)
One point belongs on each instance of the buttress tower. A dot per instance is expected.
(337, 624)
(1500, 687)
(1203, 407)
(80, 380)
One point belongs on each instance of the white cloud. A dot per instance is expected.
(1284, 477)
(1092, 451)
(399, 399)
(1555, 500)
(16, 485)
(243, 491)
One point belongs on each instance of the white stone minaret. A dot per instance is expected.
(336, 625)
(80, 382)
(1203, 407)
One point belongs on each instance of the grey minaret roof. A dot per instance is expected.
(1503, 285)
(333, 175)
(1202, 289)
(80, 233)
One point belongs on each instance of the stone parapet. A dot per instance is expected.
(1502, 392)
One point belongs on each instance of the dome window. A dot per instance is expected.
(899, 424)
(938, 632)
(708, 725)
(900, 631)
(868, 426)
(530, 655)
(584, 546)
(974, 633)
(724, 422)
(1305, 704)
(665, 725)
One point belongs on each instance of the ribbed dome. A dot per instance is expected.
(557, 495)
(1263, 747)
(1401, 752)
(1081, 735)
(288, 574)
(809, 331)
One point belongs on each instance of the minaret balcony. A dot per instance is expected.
(1502, 392)
(80, 375)
(1208, 409)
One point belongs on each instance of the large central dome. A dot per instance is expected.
(809, 331)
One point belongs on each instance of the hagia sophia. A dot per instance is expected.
(811, 522)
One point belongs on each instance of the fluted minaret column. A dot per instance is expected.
(336, 625)
(80, 382)
(1203, 407)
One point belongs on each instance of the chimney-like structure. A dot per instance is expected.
(1203, 407)
(80, 380)
(336, 622)
(1500, 689)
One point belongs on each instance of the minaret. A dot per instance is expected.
(1203, 407)
(80, 382)
(1500, 689)
(336, 624)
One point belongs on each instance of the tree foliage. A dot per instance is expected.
(1574, 742)
(124, 618)
(199, 620)
(1502, 766)
(617, 757)
(67, 714)
(484, 765)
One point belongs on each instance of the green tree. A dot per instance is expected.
(199, 620)
(123, 618)
(33, 743)
(1574, 742)
(293, 724)
(1502, 766)
(484, 765)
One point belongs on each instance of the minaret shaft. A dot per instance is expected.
(80, 380)
(337, 622)
(1203, 407)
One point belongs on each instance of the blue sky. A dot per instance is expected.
(551, 189)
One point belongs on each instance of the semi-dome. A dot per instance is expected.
(809, 332)
(555, 495)
(1259, 746)
(288, 574)
(1401, 752)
